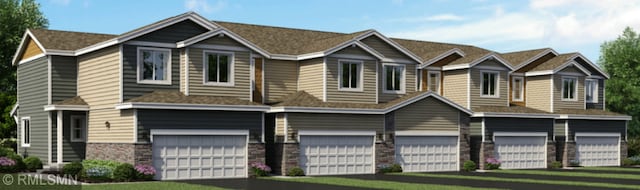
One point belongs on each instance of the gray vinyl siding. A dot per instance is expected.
(222, 41)
(368, 93)
(186, 119)
(559, 127)
(409, 81)
(310, 77)
(241, 75)
(64, 75)
(476, 82)
(455, 86)
(492, 125)
(384, 48)
(475, 126)
(130, 74)
(71, 151)
(280, 79)
(174, 33)
(597, 126)
(600, 103)
(32, 97)
(558, 103)
(427, 114)
(333, 122)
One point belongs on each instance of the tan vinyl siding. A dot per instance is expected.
(333, 122)
(241, 76)
(354, 51)
(384, 48)
(557, 94)
(559, 128)
(223, 41)
(310, 77)
(571, 70)
(99, 86)
(409, 79)
(280, 79)
(538, 92)
(183, 68)
(427, 114)
(455, 86)
(280, 124)
(476, 82)
(368, 93)
(31, 50)
(475, 127)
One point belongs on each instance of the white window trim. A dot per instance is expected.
(167, 80)
(22, 133)
(595, 90)
(437, 91)
(497, 92)
(360, 77)
(513, 82)
(575, 89)
(402, 80)
(205, 68)
(83, 129)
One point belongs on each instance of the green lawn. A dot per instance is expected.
(148, 186)
(523, 180)
(613, 169)
(372, 184)
(570, 174)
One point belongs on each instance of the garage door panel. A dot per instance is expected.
(520, 152)
(427, 153)
(327, 155)
(597, 151)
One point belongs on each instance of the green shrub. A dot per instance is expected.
(555, 165)
(102, 165)
(396, 168)
(469, 166)
(19, 162)
(73, 169)
(393, 168)
(124, 172)
(492, 164)
(628, 162)
(97, 173)
(633, 146)
(4, 151)
(295, 172)
(574, 163)
(32, 163)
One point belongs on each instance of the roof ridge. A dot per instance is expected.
(278, 27)
(54, 30)
(522, 51)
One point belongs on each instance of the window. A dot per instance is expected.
(489, 85)
(25, 126)
(218, 68)
(591, 90)
(393, 78)
(517, 89)
(78, 128)
(154, 66)
(569, 89)
(434, 82)
(350, 75)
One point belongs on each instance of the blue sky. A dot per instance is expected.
(503, 26)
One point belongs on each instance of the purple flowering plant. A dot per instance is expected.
(145, 172)
(493, 164)
(7, 164)
(260, 169)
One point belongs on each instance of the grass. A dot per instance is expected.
(148, 186)
(371, 184)
(524, 180)
(571, 174)
(613, 169)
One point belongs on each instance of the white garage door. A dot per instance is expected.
(198, 157)
(598, 150)
(427, 153)
(518, 152)
(330, 155)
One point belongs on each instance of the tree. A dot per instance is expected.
(621, 59)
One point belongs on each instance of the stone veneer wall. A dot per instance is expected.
(551, 152)
(385, 153)
(486, 151)
(132, 153)
(465, 141)
(569, 153)
(623, 151)
(287, 156)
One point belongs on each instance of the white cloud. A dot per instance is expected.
(204, 6)
(445, 17)
(60, 2)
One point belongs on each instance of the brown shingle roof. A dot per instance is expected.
(516, 58)
(505, 109)
(176, 97)
(72, 101)
(304, 99)
(553, 63)
(588, 112)
(64, 40)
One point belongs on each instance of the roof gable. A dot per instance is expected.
(173, 33)
(476, 62)
(520, 59)
(388, 48)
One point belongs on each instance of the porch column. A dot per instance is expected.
(59, 137)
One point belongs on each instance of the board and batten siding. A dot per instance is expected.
(131, 87)
(538, 92)
(32, 97)
(99, 86)
(476, 82)
(384, 48)
(427, 114)
(198, 119)
(174, 33)
(596, 126)
(368, 93)
(64, 73)
(557, 94)
(409, 82)
(496, 124)
(310, 77)
(455, 86)
(280, 79)
(241, 76)
(333, 122)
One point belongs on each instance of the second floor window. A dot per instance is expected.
(489, 84)
(569, 89)
(25, 127)
(591, 90)
(393, 78)
(517, 88)
(218, 68)
(434, 82)
(154, 65)
(350, 75)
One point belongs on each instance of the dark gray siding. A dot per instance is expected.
(130, 71)
(32, 97)
(602, 126)
(600, 104)
(72, 151)
(174, 33)
(492, 125)
(183, 119)
(64, 75)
